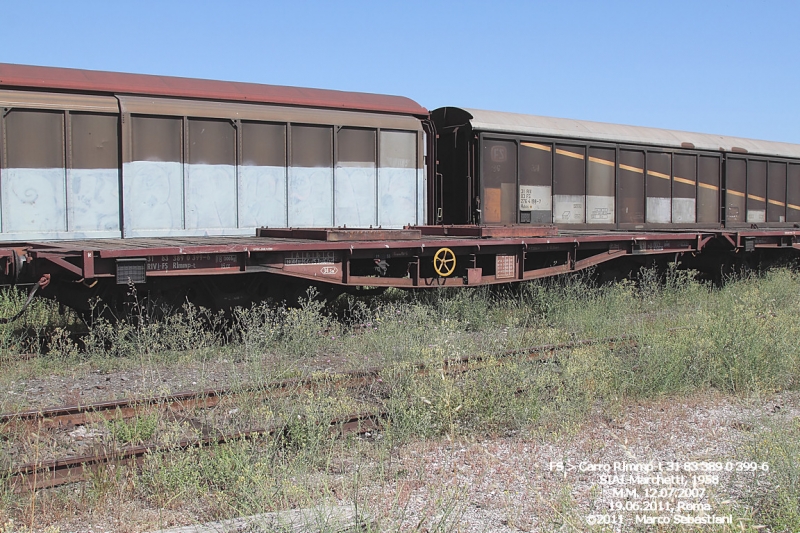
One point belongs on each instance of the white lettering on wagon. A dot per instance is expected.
(191, 262)
(309, 258)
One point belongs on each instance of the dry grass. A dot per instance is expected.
(457, 447)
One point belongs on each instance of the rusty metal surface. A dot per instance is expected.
(19, 76)
(46, 474)
(341, 234)
(79, 414)
(60, 471)
(111, 248)
(192, 245)
(331, 262)
(485, 232)
(503, 122)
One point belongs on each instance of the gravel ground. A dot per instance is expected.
(506, 484)
(88, 386)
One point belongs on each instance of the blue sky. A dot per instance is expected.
(714, 67)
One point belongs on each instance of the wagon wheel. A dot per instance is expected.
(444, 262)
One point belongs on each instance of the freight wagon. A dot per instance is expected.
(505, 168)
(101, 155)
(225, 193)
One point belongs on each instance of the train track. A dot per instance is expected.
(80, 414)
(50, 473)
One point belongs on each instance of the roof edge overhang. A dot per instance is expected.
(518, 124)
(100, 82)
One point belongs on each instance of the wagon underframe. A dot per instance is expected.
(378, 258)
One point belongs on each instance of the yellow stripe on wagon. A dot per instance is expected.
(708, 186)
(567, 153)
(631, 169)
(605, 162)
(777, 202)
(736, 193)
(658, 174)
(684, 180)
(537, 146)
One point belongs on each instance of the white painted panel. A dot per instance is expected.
(535, 198)
(600, 209)
(207, 232)
(310, 197)
(568, 209)
(397, 196)
(210, 196)
(33, 200)
(354, 195)
(152, 197)
(659, 210)
(93, 199)
(683, 210)
(57, 235)
(262, 196)
(754, 216)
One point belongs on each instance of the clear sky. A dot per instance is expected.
(716, 67)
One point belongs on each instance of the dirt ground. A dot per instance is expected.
(546, 482)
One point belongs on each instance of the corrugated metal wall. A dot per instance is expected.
(606, 185)
(199, 168)
(59, 166)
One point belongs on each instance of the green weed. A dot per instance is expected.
(135, 430)
(772, 491)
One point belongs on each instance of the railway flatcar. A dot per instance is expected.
(224, 193)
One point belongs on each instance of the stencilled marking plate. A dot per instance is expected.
(191, 262)
(310, 258)
(323, 263)
(505, 266)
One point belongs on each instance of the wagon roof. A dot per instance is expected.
(503, 122)
(93, 81)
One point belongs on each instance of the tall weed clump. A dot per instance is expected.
(217, 482)
(734, 339)
(488, 399)
(772, 490)
(579, 308)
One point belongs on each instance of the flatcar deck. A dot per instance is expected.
(409, 260)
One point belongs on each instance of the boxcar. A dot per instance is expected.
(226, 193)
(520, 169)
(103, 155)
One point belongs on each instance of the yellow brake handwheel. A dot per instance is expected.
(444, 262)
